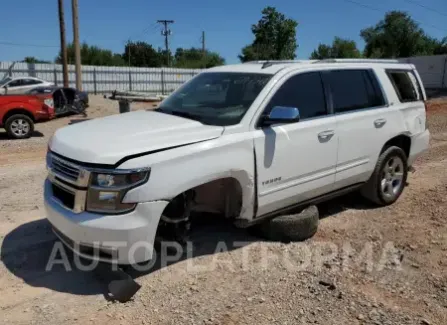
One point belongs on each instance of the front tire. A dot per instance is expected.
(19, 126)
(388, 179)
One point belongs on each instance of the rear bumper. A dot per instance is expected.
(126, 238)
(419, 144)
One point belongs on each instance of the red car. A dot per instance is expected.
(18, 113)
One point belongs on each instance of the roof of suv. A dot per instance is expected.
(272, 67)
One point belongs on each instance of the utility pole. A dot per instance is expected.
(63, 42)
(203, 49)
(166, 32)
(77, 48)
(129, 46)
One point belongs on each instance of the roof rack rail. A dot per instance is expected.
(357, 61)
(269, 63)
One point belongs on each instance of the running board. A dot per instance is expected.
(319, 199)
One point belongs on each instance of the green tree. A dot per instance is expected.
(93, 55)
(440, 47)
(395, 36)
(142, 54)
(340, 48)
(32, 59)
(275, 38)
(195, 58)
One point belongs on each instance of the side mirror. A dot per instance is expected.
(282, 114)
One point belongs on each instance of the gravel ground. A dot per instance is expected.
(364, 266)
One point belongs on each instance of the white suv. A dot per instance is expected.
(246, 141)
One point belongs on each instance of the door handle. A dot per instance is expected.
(326, 135)
(379, 123)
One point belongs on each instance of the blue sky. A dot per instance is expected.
(109, 23)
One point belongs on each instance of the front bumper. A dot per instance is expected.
(125, 239)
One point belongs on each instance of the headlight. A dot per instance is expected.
(118, 180)
(107, 190)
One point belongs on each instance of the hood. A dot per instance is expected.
(109, 139)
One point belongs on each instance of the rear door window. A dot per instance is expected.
(406, 85)
(354, 89)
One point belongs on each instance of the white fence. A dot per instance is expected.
(98, 79)
(432, 69)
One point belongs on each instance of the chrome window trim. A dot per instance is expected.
(362, 110)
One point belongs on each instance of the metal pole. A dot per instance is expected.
(203, 49)
(129, 46)
(94, 82)
(63, 42)
(162, 81)
(166, 32)
(77, 48)
(55, 77)
(443, 83)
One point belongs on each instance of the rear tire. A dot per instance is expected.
(19, 126)
(293, 227)
(388, 179)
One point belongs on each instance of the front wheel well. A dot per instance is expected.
(222, 197)
(16, 111)
(402, 141)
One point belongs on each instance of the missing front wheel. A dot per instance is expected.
(175, 223)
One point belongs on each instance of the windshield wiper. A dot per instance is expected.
(181, 114)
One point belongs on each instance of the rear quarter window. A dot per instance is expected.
(406, 85)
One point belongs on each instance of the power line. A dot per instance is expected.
(363, 5)
(426, 7)
(143, 31)
(379, 10)
(26, 44)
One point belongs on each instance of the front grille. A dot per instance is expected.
(65, 169)
(66, 198)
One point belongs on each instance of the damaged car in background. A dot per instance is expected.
(66, 99)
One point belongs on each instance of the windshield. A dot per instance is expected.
(5, 81)
(216, 98)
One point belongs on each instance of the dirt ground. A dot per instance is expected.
(402, 279)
